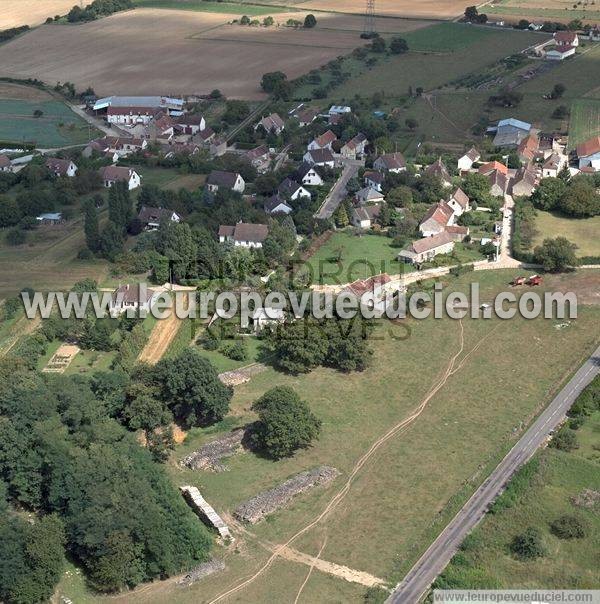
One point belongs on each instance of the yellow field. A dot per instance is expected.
(431, 9)
(31, 12)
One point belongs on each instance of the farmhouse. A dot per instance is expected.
(114, 147)
(244, 234)
(5, 165)
(390, 162)
(468, 159)
(588, 153)
(290, 189)
(218, 179)
(510, 132)
(459, 202)
(319, 157)
(355, 147)
(368, 195)
(272, 124)
(133, 110)
(553, 165)
(112, 174)
(307, 175)
(306, 117)
(523, 183)
(374, 180)
(423, 250)
(364, 217)
(152, 217)
(325, 141)
(492, 166)
(61, 167)
(439, 169)
(277, 205)
(566, 38)
(190, 123)
(137, 297)
(438, 217)
(172, 149)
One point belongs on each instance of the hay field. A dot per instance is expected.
(543, 10)
(428, 9)
(152, 51)
(31, 12)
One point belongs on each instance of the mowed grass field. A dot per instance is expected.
(585, 232)
(544, 10)
(31, 12)
(408, 490)
(231, 8)
(186, 52)
(584, 121)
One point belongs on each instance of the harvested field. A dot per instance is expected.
(161, 46)
(209, 456)
(257, 508)
(31, 12)
(430, 9)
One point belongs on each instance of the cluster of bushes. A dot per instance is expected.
(98, 9)
(524, 230)
(8, 34)
(577, 197)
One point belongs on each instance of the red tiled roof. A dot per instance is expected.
(488, 168)
(589, 147)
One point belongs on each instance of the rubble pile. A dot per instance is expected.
(209, 456)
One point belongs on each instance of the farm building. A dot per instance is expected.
(112, 174)
(218, 179)
(5, 165)
(244, 234)
(588, 153)
(468, 159)
(491, 166)
(528, 148)
(50, 218)
(190, 123)
(390, 162)
(132, 110)
(423, 250)
(510, 132)
(61, 167)
(459, 202)
(559, 53)
(457, 232)
(306, 117)
(152, 217)
(339, 110)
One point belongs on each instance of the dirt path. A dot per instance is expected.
(450, 370)
(162, 335)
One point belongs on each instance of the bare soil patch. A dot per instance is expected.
(61, 359)
(182, 53)
(585, 283)
(432, 9)
(31, 12)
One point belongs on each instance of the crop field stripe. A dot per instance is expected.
(584, 122)
(279, 43)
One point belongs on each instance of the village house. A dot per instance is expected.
(61, 167)
(264, 317)
(489, 167)
(136, 297)
(439, 169)
(277, 205)
(374, 179)
(161, 128)
(259, 157)
(465, 163)
(134, 110)
(112, 174)
(272, 124)
(190, 123)
(5, 165)
(339, 110)
(426, 249)
(510, 132)
(553, 165)
(307, 175)
(244, 234)
(371, 291)
(290, 189)
(566, 38)
(588, 153)
(231, 181)
(325, 141)
(152, 217)
(364, 217)
(438, 217)
(523, 183)
(206, 136)
(173, 149)
(306, 117)
(390, 162)
(114, 147)
(498, 183)
(368, 195)
(319, 157)
(528, 148)
(459, 202)
(217, 147)
(355, 147)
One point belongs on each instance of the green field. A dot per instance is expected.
(415, 483)
(57, 126)
(584, 122)
(557, 476)
(213, 7)
(446, 37)
(582, 231)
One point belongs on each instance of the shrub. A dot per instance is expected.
(564, 440)
(528, 545)
(237, 351)
(568, 527)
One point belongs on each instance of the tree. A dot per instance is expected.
(91, 226)
(523, 24)
(558, 91)
(119, 205)
(341, 217)
(472, 15)
(560, 113)
(556, 255)
(272, 80)
(411, 123)
(564, 440)
(399, 46)
(310, 21)
(268, 21)
(111, 241)
(506, 98)
(191, 388)
(378, 45)
(528, 545)
(514, 161)
(285, 423)
(568, 527)
(245, 20)
(549, 193)
(580, 199)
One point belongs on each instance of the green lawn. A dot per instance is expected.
(213, 7)
(585, 232)
(57, 126)
(361, 256)
(446, 37)
(223, 363)
(584, 122)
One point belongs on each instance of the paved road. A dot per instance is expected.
(338, 191)
(434, 560)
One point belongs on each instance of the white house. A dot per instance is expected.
(466, 162)
(374, 179)
(559, 53)
(277, 205)
(61, 167)
(438, 217)
(325, 141)
(152, 217)
(308, 175)
(364, 217)
(218, 179)
(135, 297)
(588, 153)
(459, 202)
(244, 234)
(423, 250)
(112, 174)
(264, 317)
(368, 195)
(355, 147)
(190, 123)
(290, 189)
(339, 110)
(566, 38)
(5, 165)
(553, 165)
(319, 157)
